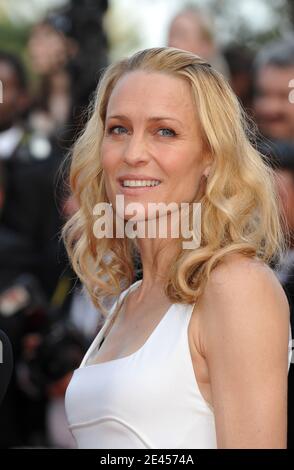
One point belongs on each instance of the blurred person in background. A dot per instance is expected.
(240, 63)
(192, 30)
(61, 49)
(30, 162)
(273, 74)
(50, 52)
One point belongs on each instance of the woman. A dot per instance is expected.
(195, 355)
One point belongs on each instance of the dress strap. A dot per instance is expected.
(115, 309)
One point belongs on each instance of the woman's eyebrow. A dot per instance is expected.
(153, 118)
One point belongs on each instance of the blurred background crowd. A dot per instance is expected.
(50, 63)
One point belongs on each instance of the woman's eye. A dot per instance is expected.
(117, 130)
(167, 132)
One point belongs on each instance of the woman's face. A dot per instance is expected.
(152, 149)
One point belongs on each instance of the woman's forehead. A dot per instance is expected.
(155, 92)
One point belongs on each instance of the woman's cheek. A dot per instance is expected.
(106, 160)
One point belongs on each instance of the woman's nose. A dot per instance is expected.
(136, 151)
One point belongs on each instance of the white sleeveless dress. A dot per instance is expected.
(147, 400)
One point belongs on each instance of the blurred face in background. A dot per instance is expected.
(14, 98)
(273, 110)
(47, 49)
(188, 33)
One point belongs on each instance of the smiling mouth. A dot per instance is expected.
(139, 183)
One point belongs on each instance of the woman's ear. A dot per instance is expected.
(207, 167)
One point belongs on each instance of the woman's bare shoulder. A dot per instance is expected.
(245, 331)
(237, 265)
(241, 272)
(244, 291)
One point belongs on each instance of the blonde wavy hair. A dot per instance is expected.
(240, 210)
